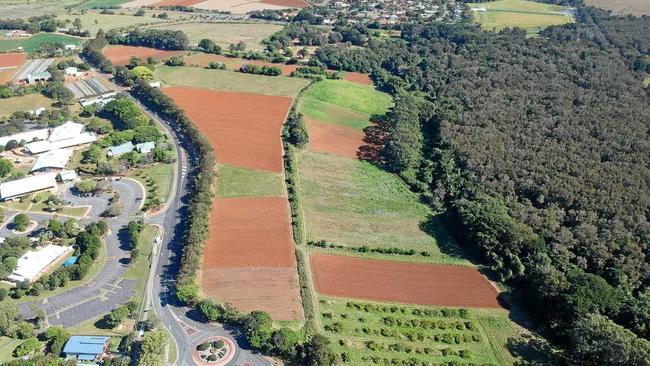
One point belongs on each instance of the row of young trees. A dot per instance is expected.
(533, 148)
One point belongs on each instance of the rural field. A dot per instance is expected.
(223, 34)
(229, 81)
(634, 7)
(121, 55)
(528, 15)
(27, 102)
(32, 43)
(367, 333)
(244, 6)
(203, 60)
(243, 182)
(9, 65)
(93, 21)
(12, 9)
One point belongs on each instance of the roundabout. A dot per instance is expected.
(214, 351)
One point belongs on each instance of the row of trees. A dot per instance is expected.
(156, 38)
(35, 24)
(260, 70)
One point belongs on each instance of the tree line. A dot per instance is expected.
(156, 38)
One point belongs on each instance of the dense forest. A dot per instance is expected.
(537, 150)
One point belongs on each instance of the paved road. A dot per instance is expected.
(107, 290)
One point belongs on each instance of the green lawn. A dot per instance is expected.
(7, 346)
(354, 203)
(230, 81)
(77, 212)
(102, 3)
(93, 20)
(223, 34)
(243, 182)
(32, 43)
(529, 15)
(364, 331)
(139, 271)
(157, 180)
(331, 113)
(25, 103)
(353, 96)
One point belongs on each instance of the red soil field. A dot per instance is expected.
(411, 283)
(121, 55)
(243, 128)
(177, 2)
(334, 139)
(12, 59)
(271, 289)
(203, 60)
(358, 78)
(288, 3)
(251, 231)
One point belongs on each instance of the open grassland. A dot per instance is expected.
(623, 7)
(25, 103)
(354, 203)
(528, 15)
(224, 34)
(230, 81)
(369, 333)
(7, 347)
(243, 182)
(139, 271)
(353, 96)
(11, 9)
(102, 3)
(331, 113)
(32, 43)
(94, 21)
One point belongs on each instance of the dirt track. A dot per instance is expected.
(244, 128)
(334, 139)
(424, 284)
(121, 55)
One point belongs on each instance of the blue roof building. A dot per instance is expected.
(86, 348)
(145, 147)
(121, 149)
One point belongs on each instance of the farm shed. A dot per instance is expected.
(35, 263)
(31, 67)
(21, 187)
(52, 160)
(145, 147)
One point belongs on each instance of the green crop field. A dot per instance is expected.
(354, 203)
(355, 97)
(230, 81)
(243, 182)
(224, 34)
(367, 333)
(25, 103)
(12, 9)
(103, 3)
(528, 15)
(93, 20)
(331, 113)
(32, 43)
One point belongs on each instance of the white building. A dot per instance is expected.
(67, 135)
(73, 71)
(33, 264)
(52, 160)
(67, 176)
(21, 187)
(28, 136)
(65, 131)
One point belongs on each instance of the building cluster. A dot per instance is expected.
(387, 12)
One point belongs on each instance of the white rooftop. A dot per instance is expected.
(32, 263)
(57, 158)
(43, 146)
(28, 136)
(65, 131)
(68, 175)
(23, 186)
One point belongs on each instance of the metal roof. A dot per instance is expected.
(23, 186)
(28, 136)
(31, 265)
(57, 158)
(85, 345)
(43, 146)
(121, 149)
(145, 147)
(66, 131)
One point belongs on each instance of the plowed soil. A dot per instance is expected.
(12, 59)
(271, 289)
(177, 2)
(251, 231)
(424, 284)
(121, 55)
(334, 139)
(243, 128)
(203, 60)
(358, 78)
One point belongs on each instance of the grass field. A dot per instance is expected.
(224, 34)
(635, 7)
(354, 203)
(528, 15)
(12, 9)
(230, 81)
(77, 212)
(352, 96)
(32, 43)
(140, 270)
(366, 333)
(25, 103)
(242, 182)
(157, 180)
(102, 3)
(7, 346)
(93, 20)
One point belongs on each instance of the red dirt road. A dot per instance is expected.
(289, 3)
(358, 78)
(334, 139)
(121, 55)
(243, 128)
(272, 289)
(177, 3)
(251, 231)
(412, 283)
(12, 59)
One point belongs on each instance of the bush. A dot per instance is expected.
(21, 222)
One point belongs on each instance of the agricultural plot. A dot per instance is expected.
(223, 34)
(634, 7)
(27, 102)
(204, 60)
(245, 132)
(94, 21)
(244, 6)
(528, 15)
(88, 88)
(121, 55)
(28, 8)
(243, 182)
(228, 81)
(352, 96)
(32, 43)
(368, 333)
(33, 66)
(9, 65)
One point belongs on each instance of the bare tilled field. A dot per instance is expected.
(358, 77)
(121, 55)
(409, 283)
(334, 139)
(243, 128)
